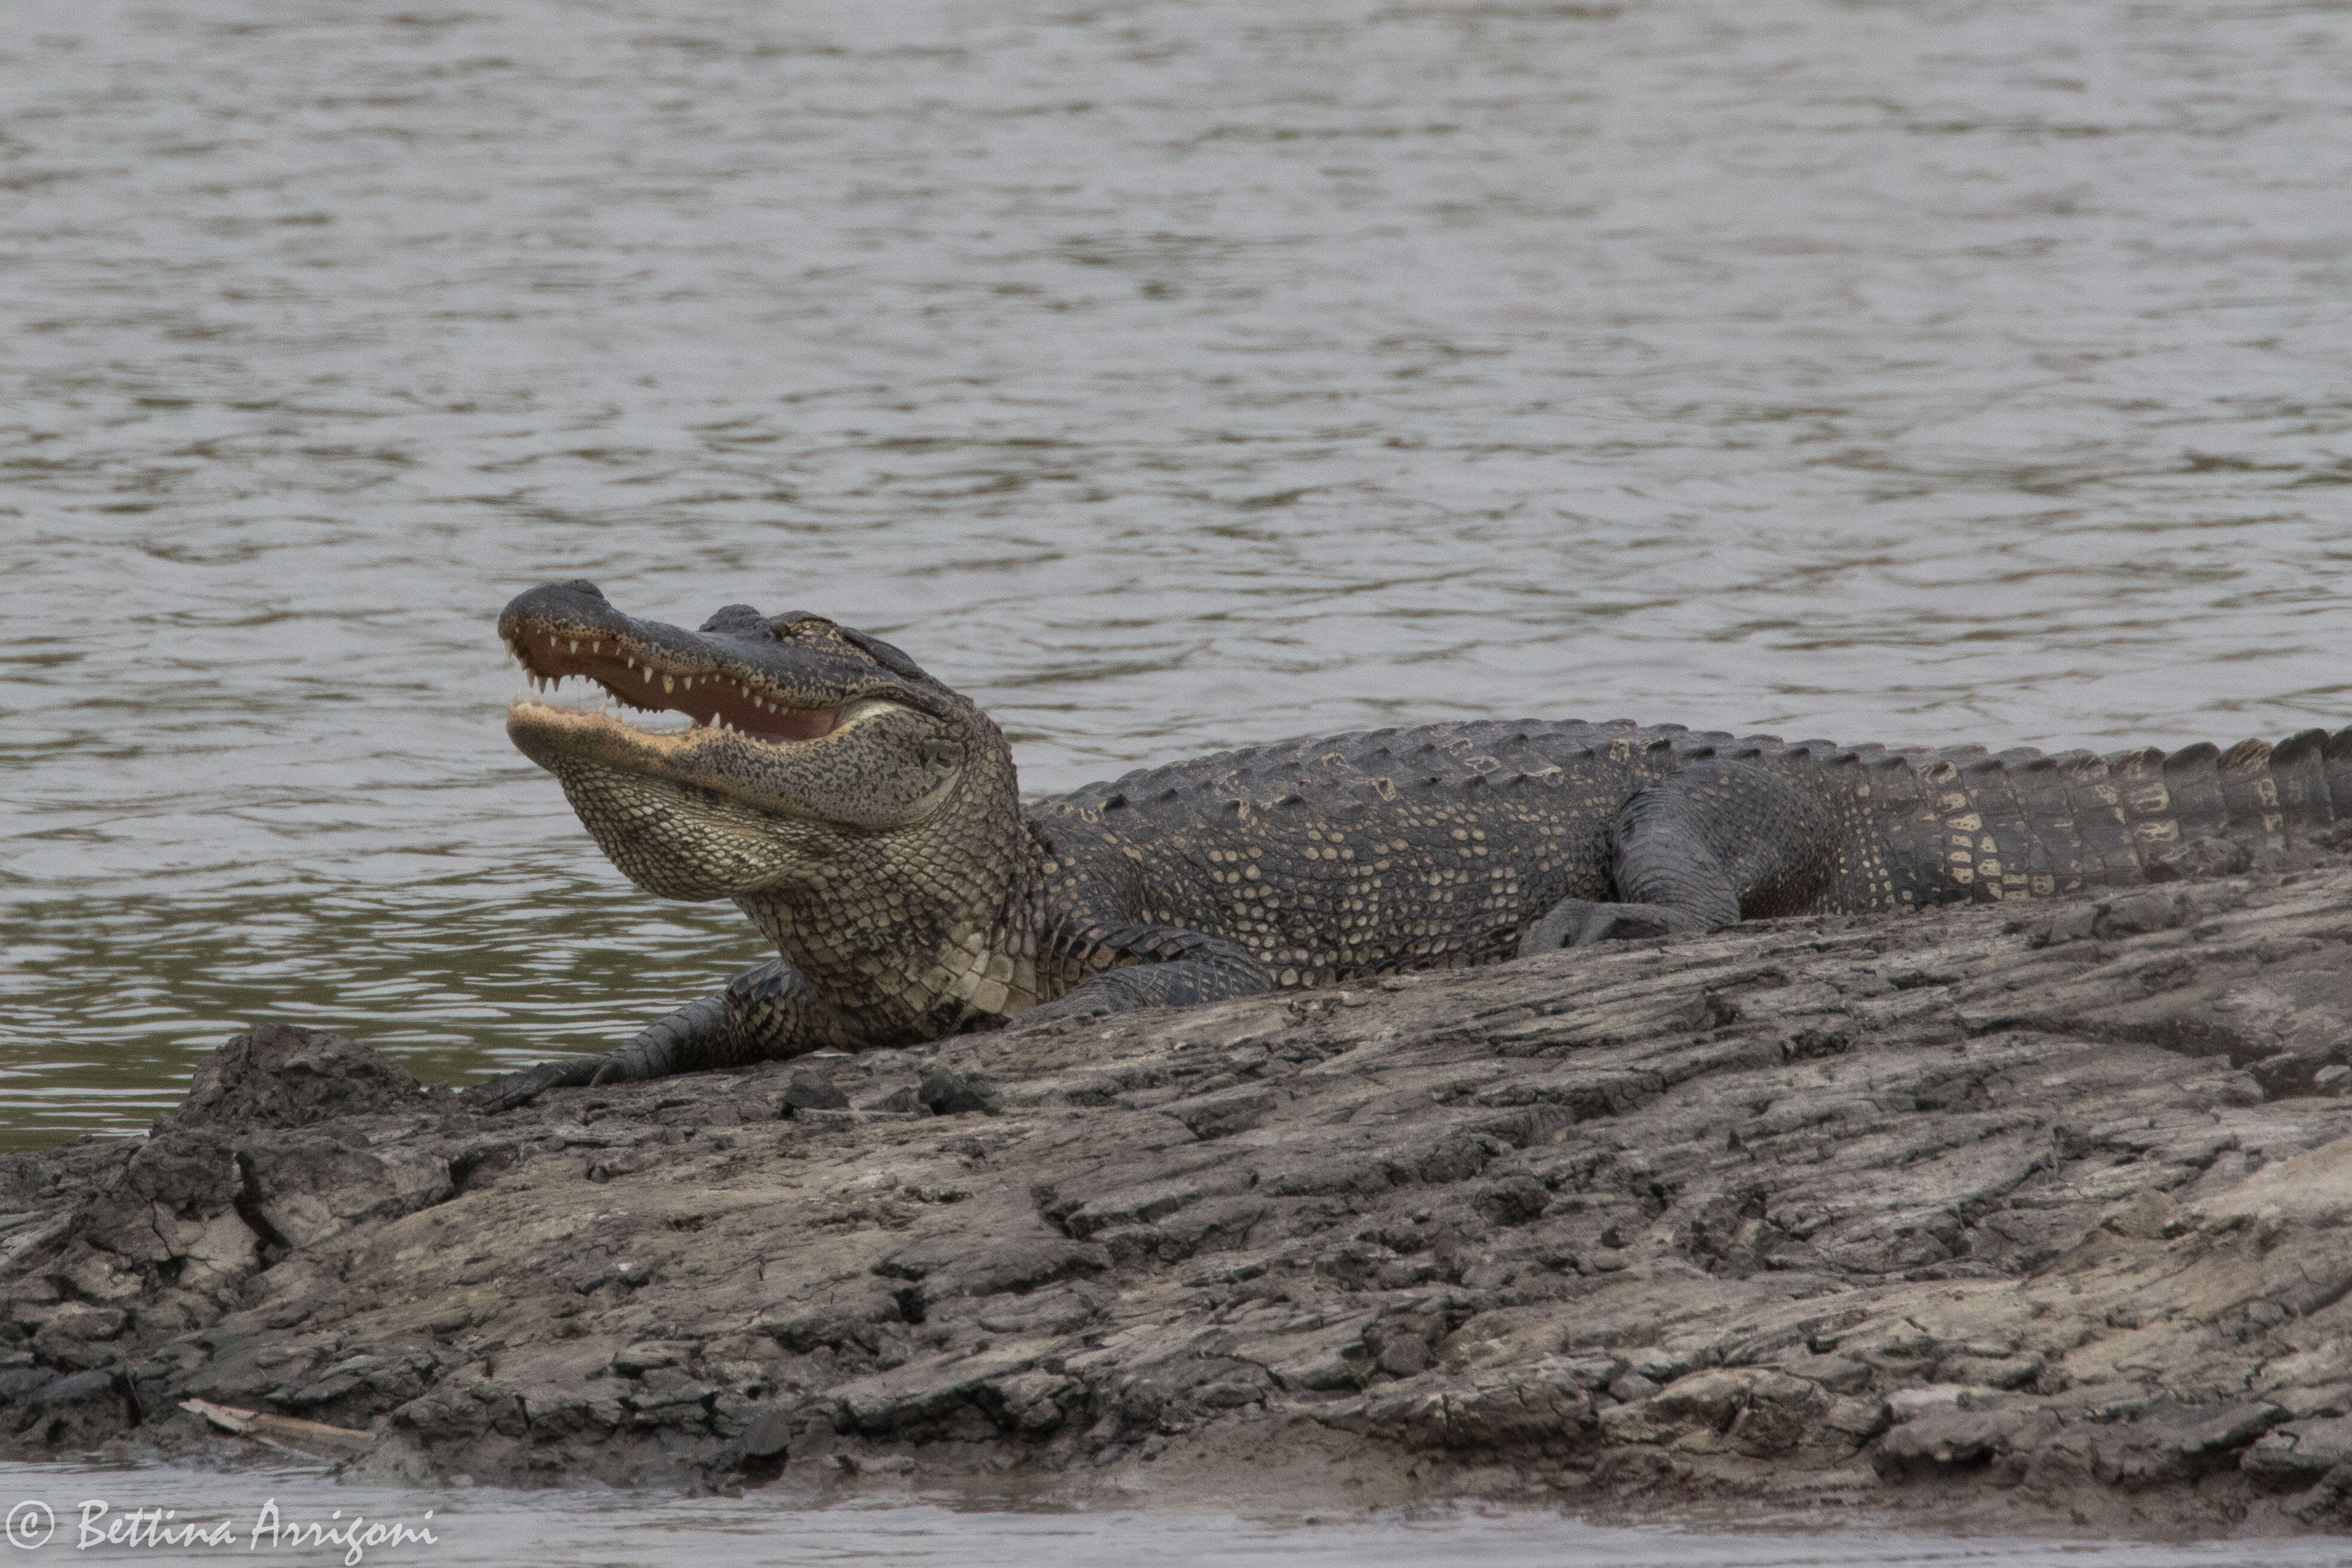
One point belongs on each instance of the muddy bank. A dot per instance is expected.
(2044, 1215)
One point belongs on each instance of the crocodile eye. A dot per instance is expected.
(734, 618)
(883, 654)
(796, 624)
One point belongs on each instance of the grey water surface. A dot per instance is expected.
(263, 1510)
(1167, 374)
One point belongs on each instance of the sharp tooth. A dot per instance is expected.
(596, 648)
(575, 645)
(668, 684)
(633, 662)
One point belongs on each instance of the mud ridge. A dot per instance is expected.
(2039, 1215)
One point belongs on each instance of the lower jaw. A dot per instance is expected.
(672, 837)
(597, 720)
(567, 743)
(714, 703)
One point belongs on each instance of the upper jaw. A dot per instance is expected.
(722, 679)
(711, 698)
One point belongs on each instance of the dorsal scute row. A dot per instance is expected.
(1412, 754)
(2116, 807)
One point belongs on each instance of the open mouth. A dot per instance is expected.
(649, 682)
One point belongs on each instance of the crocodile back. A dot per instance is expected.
(1337, 855)
(1380, 850)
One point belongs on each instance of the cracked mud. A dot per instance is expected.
(2041, 1216)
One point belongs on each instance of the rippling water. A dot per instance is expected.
(1168, 375)
(487, 1529)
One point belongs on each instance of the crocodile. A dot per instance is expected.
(868, 820)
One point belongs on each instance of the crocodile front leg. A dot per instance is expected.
(764, 1014)
(1155, 966)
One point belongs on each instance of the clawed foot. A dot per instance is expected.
(1075, 1006)
(509, 1090)
(1578, 922)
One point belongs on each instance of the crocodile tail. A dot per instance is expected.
(2265, 796)
(2299, 764)
(2299, 770)
(2102, 851)
(2023, 823)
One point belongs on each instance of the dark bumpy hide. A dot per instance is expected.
(867, 819)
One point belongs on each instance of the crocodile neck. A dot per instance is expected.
(913, 936)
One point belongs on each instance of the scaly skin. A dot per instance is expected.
(867, 819)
